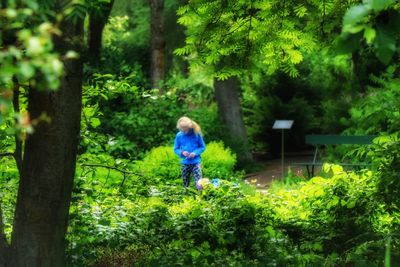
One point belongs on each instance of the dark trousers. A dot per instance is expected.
(187, 170)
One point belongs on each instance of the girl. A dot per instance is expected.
(188, 145)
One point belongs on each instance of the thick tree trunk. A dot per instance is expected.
(97, 22)
(48, 167)
(227, 97)
(157, 43)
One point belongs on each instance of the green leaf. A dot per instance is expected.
(270, 230)
(34, 46)
(95, 122)
(353, 28)
(379, 5)
(336, 169)
(195, 253)
(27, 70)
(355, 15)
(385, 45)
(333, 202)
(351, 204)
(369, 34)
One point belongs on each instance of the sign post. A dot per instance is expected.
(282, 125)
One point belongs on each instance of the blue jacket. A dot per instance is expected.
(190, 142)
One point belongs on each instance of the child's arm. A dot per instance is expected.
(177, 147)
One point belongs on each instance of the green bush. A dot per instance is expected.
(162, 163)
(337, 221)
(340, 216)
(222, 227)
(378, 111)
(218, 161)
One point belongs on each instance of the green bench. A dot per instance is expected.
(323, 140)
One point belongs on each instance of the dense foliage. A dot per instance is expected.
(331, 66)
(147, 219)
(339, 219)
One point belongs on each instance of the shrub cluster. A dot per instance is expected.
(340, 219)
(162, 163)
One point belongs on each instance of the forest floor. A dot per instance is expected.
(272, 170)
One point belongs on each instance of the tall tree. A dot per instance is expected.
(26, 52)
(48, 167)
(157, 43)
(49, 158)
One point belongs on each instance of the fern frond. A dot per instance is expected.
(76, 12)
(300, 11)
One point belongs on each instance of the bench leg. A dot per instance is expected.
(308, 171)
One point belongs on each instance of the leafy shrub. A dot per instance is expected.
(162, 163)
(218, 161)
(220, 227)
(385, 157)
(335, 221)
(332, 216)
(378, 111)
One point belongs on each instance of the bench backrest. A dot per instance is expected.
(322, 139)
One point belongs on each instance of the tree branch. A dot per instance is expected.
(109, 167)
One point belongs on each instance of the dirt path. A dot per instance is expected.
(272, 170)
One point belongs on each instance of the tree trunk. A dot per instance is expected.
(97, 22)
(48, 167)
(157, 43)
(227, 97)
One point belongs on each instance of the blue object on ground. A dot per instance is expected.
(215, 182)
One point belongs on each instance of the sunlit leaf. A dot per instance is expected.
(34, 46)
(27, 70)
(355, 15)
(369, 34)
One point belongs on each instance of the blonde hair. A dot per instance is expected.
(186, 122)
